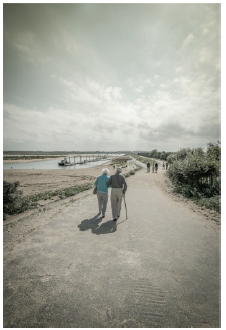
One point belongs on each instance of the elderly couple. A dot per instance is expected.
(118, 186)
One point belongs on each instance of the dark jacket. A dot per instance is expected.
(117, 181)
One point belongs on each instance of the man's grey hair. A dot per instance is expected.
(105, 171)
(118, 170)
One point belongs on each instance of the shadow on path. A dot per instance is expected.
(93, 224)
(108, 227)
(90, 223)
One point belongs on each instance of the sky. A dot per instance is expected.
(111, 77)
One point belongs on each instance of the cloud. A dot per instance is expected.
(105, 109)
(187, 42)
(75, 77)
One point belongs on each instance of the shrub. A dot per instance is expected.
(197, 170)
(196, 174)
(13, 202)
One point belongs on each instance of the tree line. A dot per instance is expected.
(162, 155)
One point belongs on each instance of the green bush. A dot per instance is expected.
(197, 169)
(196, 174)
(13, 201)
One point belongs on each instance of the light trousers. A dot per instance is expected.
(116, 201)
(102, 202)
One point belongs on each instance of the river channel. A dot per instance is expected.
(50, 165)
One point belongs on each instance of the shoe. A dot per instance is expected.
(114, 219)
(118, 216)
(99, 213)
(103, 216)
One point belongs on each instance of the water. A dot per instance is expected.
(26, 155)
(51, 165)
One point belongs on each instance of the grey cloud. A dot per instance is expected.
(163, 132)
(172, 131)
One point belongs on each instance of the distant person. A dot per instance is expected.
(102, 191)
(163, 165)
(166, 166)
(118, 188)
(153, 168)
(156, 167)
(148, 167)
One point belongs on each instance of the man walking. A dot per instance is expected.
(118, 188)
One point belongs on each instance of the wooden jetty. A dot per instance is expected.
(88, 159)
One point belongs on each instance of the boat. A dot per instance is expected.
(64, 162)
(61, 163)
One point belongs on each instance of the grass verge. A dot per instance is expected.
(14, 202)
(212, 203)
(132, 172)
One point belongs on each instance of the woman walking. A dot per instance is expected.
(102, 191)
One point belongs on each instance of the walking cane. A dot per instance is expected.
(125, 205)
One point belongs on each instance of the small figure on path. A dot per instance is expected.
(118, 188)
(102, 191)
(166, 166)
(163, 165)
(156, 167)
(148, 167)
(153, 167)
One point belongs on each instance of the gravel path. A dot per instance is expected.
(159, 268)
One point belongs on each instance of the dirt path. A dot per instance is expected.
(160, 268)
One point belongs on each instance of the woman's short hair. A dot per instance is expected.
(118, 170)
(105, 171)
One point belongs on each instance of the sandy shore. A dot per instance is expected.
(36, 181)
